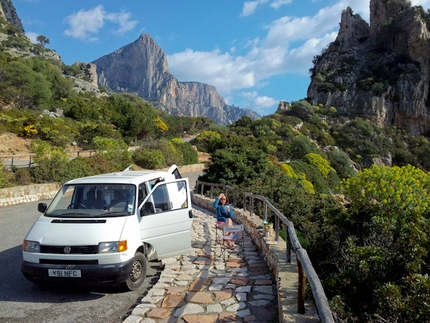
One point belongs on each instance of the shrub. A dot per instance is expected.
(312, 174)
(52, 163)
(148, 158)
(114, 150)
(301, 146)
(339, 160)
(100, 164)
(22, 176)
(80, 167)
(319, 162)
(188, 153)
(3, 177)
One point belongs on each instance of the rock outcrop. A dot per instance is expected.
(8, 12)
(141, 68)
(378, 71)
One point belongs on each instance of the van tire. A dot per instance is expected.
(138, 272)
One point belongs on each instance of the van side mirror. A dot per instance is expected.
(41, 207)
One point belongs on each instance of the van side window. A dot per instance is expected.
(166, 197)
(161, 199)
(142, 193)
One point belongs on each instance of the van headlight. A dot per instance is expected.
(31, 246)
(113, 246)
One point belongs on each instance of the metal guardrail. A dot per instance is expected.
(304, 264)
(27, 161)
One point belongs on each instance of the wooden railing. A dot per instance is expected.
(304, 264)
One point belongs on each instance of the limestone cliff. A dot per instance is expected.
(141, 68)
(8, 12)
(378, 71)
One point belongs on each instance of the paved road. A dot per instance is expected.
(22, 301)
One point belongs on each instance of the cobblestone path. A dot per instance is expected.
(202, 288)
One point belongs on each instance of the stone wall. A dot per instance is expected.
(27, 193)
(286, 274)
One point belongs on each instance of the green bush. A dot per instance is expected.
(312, 174)
(339, 160)
(100, 164)
(300, 146)
(3, 177)
(22, 176)
(148, 158)
(114, 150)
(52, 163)
(319, 162)
(187, 152)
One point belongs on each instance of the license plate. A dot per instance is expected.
(64, 273)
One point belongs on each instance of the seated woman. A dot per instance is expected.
(224, 214)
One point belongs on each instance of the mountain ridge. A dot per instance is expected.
(141, 68)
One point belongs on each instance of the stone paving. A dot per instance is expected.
(202, 288)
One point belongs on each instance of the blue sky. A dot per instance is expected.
(256, 53)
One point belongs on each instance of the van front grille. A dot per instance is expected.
(69, 249)
(68, 262)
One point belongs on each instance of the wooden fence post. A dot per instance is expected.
(302, 289)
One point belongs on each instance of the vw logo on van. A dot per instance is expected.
(67, 249)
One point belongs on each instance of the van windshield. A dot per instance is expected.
(94, 201)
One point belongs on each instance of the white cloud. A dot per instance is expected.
(223, 71)
(84, 24)
(123, 20)
(250, 95)
(249, 7)
(279, 3)
(264, 102)
(32, 36)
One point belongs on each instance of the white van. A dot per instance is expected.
(100, 230)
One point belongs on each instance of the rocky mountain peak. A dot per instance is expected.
(141, 68)
(383, 11)
(379, 71)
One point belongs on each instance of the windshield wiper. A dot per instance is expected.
(114, 213)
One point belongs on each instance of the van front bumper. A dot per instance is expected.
(98, 275)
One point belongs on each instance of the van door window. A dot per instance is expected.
(166, 197)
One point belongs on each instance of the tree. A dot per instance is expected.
(42, 39)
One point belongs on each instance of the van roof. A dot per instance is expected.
(124, 177)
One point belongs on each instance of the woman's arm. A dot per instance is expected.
(231, 213)
(216, 203)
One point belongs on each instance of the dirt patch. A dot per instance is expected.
(11, 144)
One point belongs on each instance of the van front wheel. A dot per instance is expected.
(138, 272)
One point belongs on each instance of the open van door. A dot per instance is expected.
(175, 171)
(166, 218)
